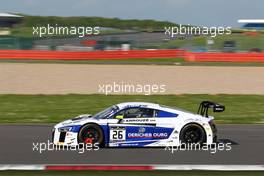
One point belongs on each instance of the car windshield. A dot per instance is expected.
(105, 113)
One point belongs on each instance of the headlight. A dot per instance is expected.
(65, 129)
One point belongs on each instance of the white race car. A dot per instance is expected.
(139, 124)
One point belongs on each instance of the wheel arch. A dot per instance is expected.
(92, 123)
(194, 123)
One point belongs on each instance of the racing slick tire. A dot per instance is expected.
(192, 134)
(91, 134)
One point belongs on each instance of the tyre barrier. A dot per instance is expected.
(224, 57)
(131, 54)
(88, 55)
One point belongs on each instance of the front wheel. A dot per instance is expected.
(91, 134)
(192, 134)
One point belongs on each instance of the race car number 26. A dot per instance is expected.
(117, 134)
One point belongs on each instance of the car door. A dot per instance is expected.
(165, 124)
(132, 127)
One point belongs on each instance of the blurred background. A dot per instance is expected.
(121, 34)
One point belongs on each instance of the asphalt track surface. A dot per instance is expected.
(16, 147)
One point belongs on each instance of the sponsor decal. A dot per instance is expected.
(134, 106)
(143, 120)
(160, 135)
(147, 135)
(139, 135)
(142, 130)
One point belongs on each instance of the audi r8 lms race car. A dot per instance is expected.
(139, 124)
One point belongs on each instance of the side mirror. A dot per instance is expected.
(120, 117)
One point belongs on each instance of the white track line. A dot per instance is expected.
(211, 167)
(21, 167)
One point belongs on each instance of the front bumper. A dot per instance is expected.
(64, 138)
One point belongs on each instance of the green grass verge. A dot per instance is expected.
(130, 173)
(240, 109)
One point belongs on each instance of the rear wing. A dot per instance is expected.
(205, 105)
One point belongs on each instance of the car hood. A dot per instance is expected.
(79, 120)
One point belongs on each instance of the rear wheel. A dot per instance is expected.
(192, 134)
(91, 134)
